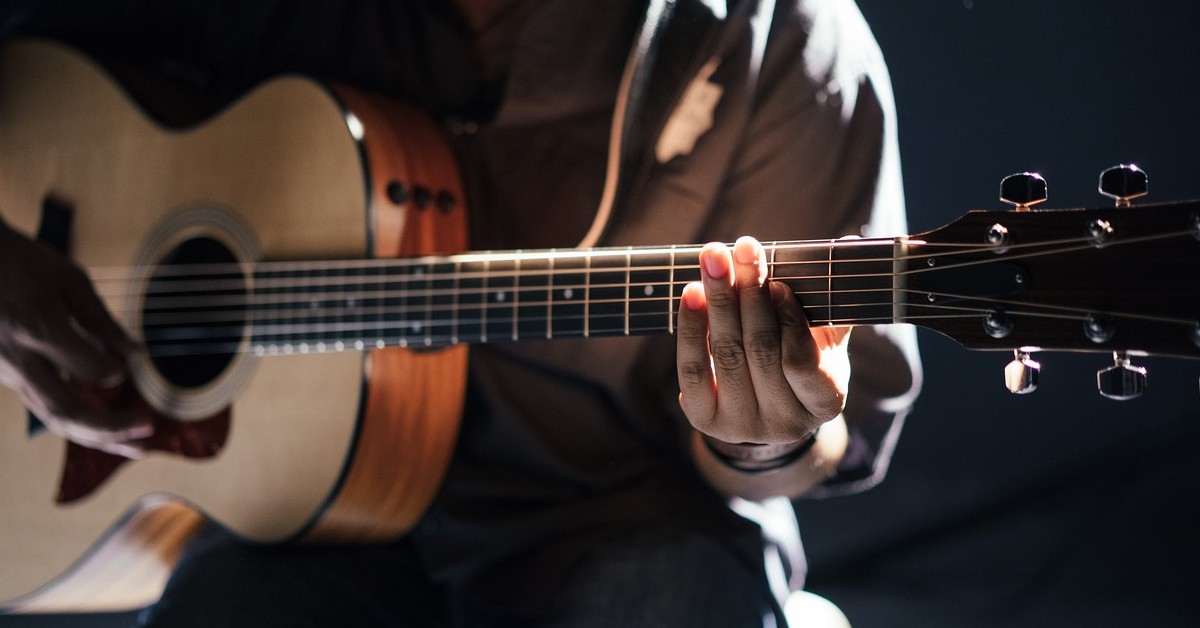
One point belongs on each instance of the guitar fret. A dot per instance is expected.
(829, 287)
(550, 297)
(628, 262)
(531, 318)
(608, 296)
(442, 313)
(399, 316)
(649, 286)
(568, 299)
(587, 297)
(516, 298)
(671, 294)
(859, 275)
(803, 270)
(355, 305)
(455, 304)
(498, 307)
(472, 299)
(426, 330)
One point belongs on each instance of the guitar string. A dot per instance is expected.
(309, 308)
(106, 274)
(330, 317)
(190, 286)
(429, 278)
(327, 321)
(311, 301)
(421, 326)
(317, 313)
(290, 333)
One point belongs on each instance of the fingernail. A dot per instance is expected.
(693, 296)
(714, 266)
(746, 251)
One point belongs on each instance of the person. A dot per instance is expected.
(634, 481)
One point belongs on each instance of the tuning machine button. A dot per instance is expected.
(1023, 190)
(1021, 375)
(1124, 183)
(1122, 380)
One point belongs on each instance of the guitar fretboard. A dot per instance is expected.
(492, 297)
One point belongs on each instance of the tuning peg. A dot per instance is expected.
(1023, 190)
(1021, 375)
(1124, 183)
(1122, 380)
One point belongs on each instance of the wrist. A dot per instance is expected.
(758, 457)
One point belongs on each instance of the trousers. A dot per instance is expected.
(637, 578)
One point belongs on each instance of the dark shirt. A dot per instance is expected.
(568, 440)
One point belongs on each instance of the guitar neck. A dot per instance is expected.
(520, 295)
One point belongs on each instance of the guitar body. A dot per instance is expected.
(333, 445)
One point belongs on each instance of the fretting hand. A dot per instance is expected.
(751, 370)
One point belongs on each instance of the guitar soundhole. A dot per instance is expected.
(194, 312)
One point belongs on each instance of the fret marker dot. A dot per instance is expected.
(321, 347)
(358, 344)
(379, 344)
(259, 350)
(649, 290)
(303, 347)
(568, 293)
(500, 296)
(339, 346)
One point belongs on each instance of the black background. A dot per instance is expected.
(1057, 508)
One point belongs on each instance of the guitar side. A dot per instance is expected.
(310, 437)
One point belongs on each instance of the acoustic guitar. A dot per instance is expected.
(295, 268)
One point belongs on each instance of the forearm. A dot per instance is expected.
(792, 480)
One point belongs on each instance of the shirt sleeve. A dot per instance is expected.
(819, 159)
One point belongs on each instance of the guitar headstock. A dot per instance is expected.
(1123, 280)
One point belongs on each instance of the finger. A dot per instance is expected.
(86, 307)
(77, 417)
(64, 344)
(50, 331)
(761, 340)
(697, 389)
(735, 392)
(822, 396)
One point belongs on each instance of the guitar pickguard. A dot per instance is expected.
(86, 469)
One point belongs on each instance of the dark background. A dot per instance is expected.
(1058, 508)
